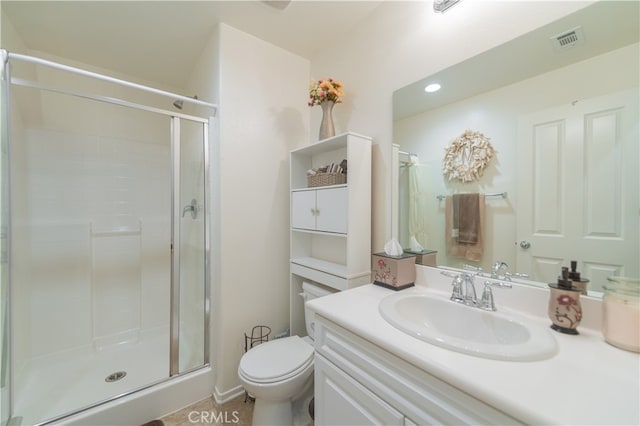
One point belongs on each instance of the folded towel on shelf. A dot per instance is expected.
(464, 225)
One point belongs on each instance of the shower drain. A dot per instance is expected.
(114, 377)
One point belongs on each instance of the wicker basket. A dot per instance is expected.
(324, 179)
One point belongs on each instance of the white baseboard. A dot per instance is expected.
(222, 397)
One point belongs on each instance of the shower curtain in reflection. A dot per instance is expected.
(108, 276)
(417, 205)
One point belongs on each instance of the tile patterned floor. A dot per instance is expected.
(208, 412)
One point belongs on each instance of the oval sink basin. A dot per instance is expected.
(466, 329)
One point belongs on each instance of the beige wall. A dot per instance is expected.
(263, 115)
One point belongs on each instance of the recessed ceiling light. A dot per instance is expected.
(433, 87)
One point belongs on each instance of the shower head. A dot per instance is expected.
(179, 103)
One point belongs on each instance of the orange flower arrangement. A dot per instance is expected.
(325, 90)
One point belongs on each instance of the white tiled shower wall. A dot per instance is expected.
(91, 230)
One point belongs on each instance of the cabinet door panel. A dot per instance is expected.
(303, 206)
(332, 207)
(340, 400)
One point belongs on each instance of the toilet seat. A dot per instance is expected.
(276, 360)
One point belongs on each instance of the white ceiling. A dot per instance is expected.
(160, 41)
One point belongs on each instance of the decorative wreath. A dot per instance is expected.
(467, 156)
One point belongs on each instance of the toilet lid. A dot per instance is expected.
(276, 360)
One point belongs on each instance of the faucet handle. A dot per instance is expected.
(508, 276)
(456, 294)
(449, 274)
(487, 302)
(475, 269)
(520, 275)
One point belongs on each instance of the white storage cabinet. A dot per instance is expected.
(321, 209)
(330, 225)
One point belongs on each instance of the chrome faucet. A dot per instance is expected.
(464, 291)
(502, 266)
(499, 266)
(487, 302)
(457, 293)
(470, 298)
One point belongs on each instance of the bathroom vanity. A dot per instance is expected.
(368, 371)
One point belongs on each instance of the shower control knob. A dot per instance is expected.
(525, 244)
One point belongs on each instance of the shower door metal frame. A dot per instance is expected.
(174, 330)
(175, 118)
(6, 76)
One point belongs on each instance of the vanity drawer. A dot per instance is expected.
(419, 396)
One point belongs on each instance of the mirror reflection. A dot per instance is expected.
(559, 107)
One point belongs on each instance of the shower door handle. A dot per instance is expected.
(192, 207)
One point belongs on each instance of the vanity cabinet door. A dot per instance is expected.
(421, 398)
(340, 400)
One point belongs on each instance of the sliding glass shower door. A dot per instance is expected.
(108, 250)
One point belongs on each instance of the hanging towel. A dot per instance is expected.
(466, 217)
(464, 226)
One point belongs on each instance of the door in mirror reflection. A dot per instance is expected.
(578, 189)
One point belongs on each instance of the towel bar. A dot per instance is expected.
(497, 194)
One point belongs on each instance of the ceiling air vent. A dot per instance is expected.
(568, 39)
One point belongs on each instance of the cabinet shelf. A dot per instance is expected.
(322, 265)
(310, 231)
(341, 185)
(329, 267)
(330, 274)
(332, 143)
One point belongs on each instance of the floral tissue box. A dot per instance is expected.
(394, 272)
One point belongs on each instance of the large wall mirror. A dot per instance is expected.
(559, 106)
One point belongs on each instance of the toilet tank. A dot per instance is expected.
(310, 292)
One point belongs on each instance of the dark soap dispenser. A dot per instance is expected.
(565, 310)
(574, 275)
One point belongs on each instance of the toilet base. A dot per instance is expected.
(301, 415)
(270, 413)
(284, 413)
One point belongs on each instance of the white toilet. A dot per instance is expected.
(279, 371)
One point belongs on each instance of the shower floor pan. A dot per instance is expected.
(57, 385)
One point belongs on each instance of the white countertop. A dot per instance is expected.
(587, 382)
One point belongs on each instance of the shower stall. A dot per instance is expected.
(105, 240)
